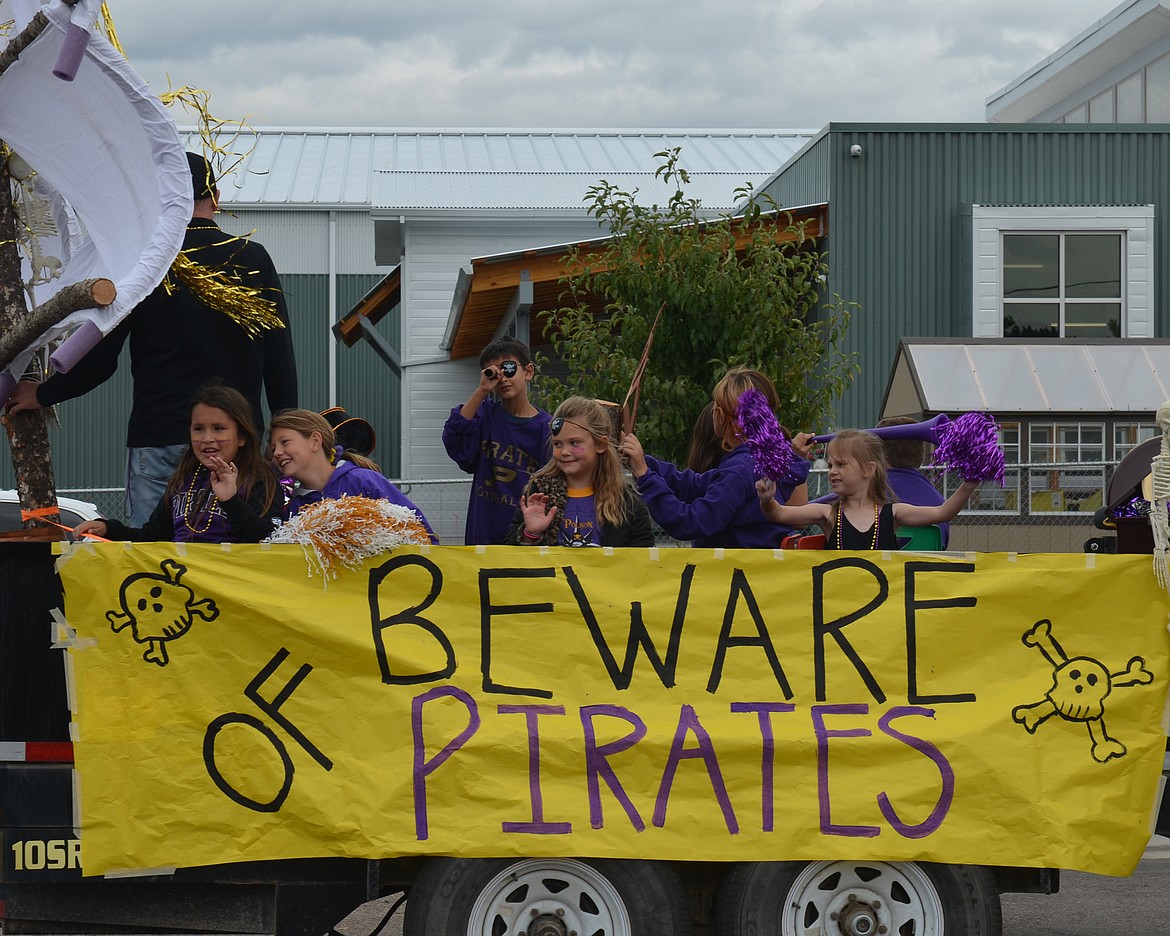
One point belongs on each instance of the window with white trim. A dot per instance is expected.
(1128, 436)
(1062, 271)
(1062, 285)
(1055, 485)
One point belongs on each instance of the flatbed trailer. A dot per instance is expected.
(43, 890)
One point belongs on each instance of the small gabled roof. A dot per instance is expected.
(1007, 376)
(488, 291)
(1119, 36)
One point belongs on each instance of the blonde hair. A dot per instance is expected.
(726, 396)
(862, 446)
(306, 422)
(609, 481)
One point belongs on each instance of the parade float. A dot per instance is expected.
(551, 742)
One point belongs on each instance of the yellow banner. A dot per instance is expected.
(730, 705)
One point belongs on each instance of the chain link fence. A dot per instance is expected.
(1042, 507)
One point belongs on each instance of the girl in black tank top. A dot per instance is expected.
(863, 516)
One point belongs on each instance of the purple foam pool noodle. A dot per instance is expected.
(970, 446)
(72, 52)
(75, 347)
(770, 450)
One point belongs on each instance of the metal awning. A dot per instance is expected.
(495, 288)
(1004, 376)
(358, 323)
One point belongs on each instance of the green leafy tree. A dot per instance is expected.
(759, 306)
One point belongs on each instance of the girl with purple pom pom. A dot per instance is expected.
(719, 507)
(863, 515)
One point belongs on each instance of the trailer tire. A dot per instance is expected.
(553, 896)
(795, 898)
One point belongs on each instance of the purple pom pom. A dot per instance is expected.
(970, 446)
(770, 450)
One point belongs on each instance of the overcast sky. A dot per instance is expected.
(769, 64)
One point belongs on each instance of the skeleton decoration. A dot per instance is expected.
(157, 608)
(1160, 482)
(1079, 688)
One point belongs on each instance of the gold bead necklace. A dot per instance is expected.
(211, 505)
(877, 512)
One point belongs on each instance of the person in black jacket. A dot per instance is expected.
(223, 490)
(581, 497)
(204, 323)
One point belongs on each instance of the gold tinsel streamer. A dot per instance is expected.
(343, 532)
(108, 27)
(219, 290)
(220, 137)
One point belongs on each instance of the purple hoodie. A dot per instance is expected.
(719, 507)
(500, 451)
(348, 478)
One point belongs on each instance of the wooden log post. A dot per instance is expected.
(28, 434)
(88, 294)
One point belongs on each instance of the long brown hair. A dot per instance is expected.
(609, 481)
(306, 422)
(706, 450)
(250, 463)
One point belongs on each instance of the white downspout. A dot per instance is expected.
(332, 308)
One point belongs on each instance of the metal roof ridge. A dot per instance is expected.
(593, 173)
(520, 131)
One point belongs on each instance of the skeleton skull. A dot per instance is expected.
(158, 608)
(1079, 688)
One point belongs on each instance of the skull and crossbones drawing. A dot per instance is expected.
(1080, 686)
(158, 608)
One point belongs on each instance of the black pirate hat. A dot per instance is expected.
(353, 433)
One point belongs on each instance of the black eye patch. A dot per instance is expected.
(507, 368)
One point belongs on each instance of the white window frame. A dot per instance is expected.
(1135, 223)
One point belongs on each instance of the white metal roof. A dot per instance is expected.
(1006, 376)
(1117, 37)
(390, 168)
(399, 191)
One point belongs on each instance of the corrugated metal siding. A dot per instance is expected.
(355, 245)
(307, 296)
(298, 241)
(806, 181)
(366, 386)
(896, 214)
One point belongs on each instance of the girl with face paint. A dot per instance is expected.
(581, 497)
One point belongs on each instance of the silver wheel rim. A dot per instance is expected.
(863, 898)
(549, 897)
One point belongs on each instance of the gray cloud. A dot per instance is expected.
(640, 63)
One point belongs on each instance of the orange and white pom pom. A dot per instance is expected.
(343, 532)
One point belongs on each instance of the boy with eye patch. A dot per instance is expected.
(498, 437)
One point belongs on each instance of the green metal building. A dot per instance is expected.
(987, 231)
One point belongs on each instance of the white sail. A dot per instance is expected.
(109, 149)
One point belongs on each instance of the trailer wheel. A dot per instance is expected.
(546, 897)
(857, 898)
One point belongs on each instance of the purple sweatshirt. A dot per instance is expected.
(348, 478)
(719, 507)
(499, 451)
